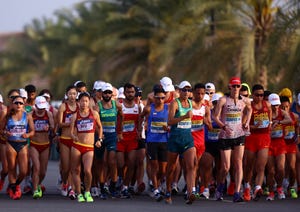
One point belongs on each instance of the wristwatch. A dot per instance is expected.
(100, 139)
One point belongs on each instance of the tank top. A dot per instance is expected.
(17, 128)
(156, 121)
(260, 116)
(85, 124)
(213, 134)
(67, 115)
(290, 130)
(40, 122)
(277, 131)
(170, 99)
(108, 117)
(130, 122)
(197, 119)
(232, 116)
(186, 124)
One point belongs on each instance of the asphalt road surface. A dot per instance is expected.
(52, 201)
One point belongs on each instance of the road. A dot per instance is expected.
(52, 201)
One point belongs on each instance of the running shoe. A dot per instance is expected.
(158, 197)
(175, 189)
(168, 199)
(205, 193)
(257, 194)
(88, 197)
(293, 193)
(219, 196)
(247, 196)
(18, 192)
(230, 189)
(125, 194)
(72, 194)
(190, 198)
(115, 194)
(280, 193)
(36, 194)
(64, 190)
(271, 196)
(95, 192)
(237, 197)
(1, 184)
(27, 189)
(80, 198)
(103, 196)
(266, 191)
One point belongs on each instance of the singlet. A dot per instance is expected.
(156, 121)
(290, 130)
(85, 124)
(186, 124)
(260, 116)
(67, 115)
(17, 128)
(232, 116)
(130, 121)
(170, 99)
(213, 134)
(277, 131)
(197, 119)
(40, 122)
(108, 117)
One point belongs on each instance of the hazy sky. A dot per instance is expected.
(14, 14)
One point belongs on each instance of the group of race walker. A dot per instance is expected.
(108, 138)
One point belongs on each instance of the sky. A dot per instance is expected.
(15, 14)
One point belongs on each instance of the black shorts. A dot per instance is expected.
(213, 149)
(157, 151)
(226, 144)
(141, 144)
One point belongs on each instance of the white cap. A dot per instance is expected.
(41, 102)
(121, 93)
(107, 87)
(210, 85)
(274, 99)
(1, 98)
(206, 97)
(76, 83)
(184, 84)
(23, 93)
(167, 85)
(216, 97)
(46, 95)
(98, 85)
(298, 97)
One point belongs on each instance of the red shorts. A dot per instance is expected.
(199, 142)
(40, 147)
(277, 147)
(66, 141)
(83, 148)
(291, 148)
(257, 141)
(127, 145)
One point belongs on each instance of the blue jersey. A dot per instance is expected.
(156, 121)
(17, 128)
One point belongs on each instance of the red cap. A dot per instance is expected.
(235, 81)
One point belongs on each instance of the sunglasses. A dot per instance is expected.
(245, 95)
(209, 93)
(186, 90)
(259, 95)
(107, 92)
(159, 97)
(18, 103)
(236, 86)
(12, 97)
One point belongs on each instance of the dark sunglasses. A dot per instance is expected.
(159, 97)
(186, 90)
(12, 97)
(236, 86)
(209, 93)
(259, 95)
(18, 103)
(245, 95)
(107, 92)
